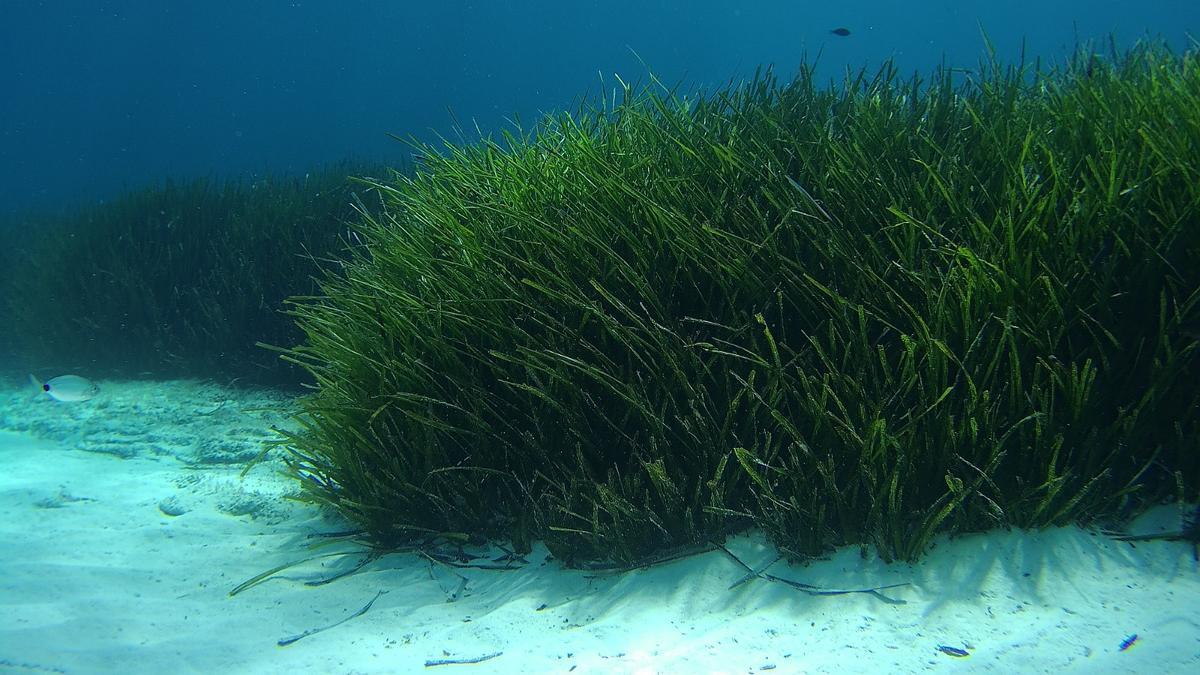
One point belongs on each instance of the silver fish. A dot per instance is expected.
(67, 388)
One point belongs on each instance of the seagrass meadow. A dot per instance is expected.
(178, 279)
(864, 314)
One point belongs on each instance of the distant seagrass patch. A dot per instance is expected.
(181, 279)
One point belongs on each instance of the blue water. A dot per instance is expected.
(100, 96)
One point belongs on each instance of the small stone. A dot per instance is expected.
(171, 507)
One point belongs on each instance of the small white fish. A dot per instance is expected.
(67, 388)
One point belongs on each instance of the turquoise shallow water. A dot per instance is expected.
(126, 520)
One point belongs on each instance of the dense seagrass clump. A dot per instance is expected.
(858, 314)
(181, 279)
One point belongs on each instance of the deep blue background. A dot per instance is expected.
(99, 96)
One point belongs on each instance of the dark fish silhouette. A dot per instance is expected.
(841, 31)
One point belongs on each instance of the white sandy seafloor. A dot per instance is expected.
(124, 525)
